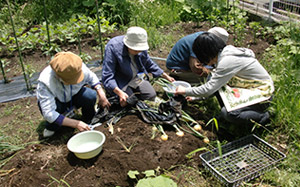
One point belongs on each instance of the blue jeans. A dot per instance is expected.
(85, 99)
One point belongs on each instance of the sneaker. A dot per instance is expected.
(47, 133)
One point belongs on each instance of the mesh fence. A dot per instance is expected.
(276, 10)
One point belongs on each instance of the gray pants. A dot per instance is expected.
(144, 91)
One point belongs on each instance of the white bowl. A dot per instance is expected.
(171, 88)
(87, 144)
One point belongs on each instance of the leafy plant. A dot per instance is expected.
(194, 10)
(151, 179)
(154, 13)
(255, 26)
(60, 34)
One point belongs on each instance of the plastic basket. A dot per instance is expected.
(241, 160)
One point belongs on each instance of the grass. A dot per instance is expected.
(18, 127)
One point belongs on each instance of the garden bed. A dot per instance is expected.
(49, 163)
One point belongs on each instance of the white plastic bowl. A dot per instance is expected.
(171, 88)
(87, 144)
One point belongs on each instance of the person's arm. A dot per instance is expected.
(109, 69)
(48, 108)
(93, 81)
(122, 95)
(80, 125)
(153, 68)
(103, 102)
(168, 77)
(197, 67)
(222, 74)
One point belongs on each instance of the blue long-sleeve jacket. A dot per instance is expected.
(116, 71)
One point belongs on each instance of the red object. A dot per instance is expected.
(236, 92)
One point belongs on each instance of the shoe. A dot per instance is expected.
(265, 119)
(47, 133)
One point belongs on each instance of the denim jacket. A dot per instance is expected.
(117, 71)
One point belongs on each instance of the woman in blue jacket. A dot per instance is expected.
(126, 63)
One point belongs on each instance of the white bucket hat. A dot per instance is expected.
(136, 39)
(220, 32)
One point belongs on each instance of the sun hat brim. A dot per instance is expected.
(135, 45)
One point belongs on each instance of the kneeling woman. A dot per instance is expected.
(243, 83)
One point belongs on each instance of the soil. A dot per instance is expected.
(50, 163)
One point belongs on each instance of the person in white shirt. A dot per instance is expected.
(61, 86)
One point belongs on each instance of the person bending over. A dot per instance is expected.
(183, 63)
(126, 66)
(234, 69)
(62, 85)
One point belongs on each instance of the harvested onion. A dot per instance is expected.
(180, 133)
(198, 127)
(164, 137)
(206, 140)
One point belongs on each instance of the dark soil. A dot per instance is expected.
(50, 163)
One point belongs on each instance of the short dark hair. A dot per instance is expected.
(207, 46)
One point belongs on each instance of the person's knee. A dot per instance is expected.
(224, 113)
(89, 96)
(152, 96)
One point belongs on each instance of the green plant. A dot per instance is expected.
(194, 10)
(6, 147)
(60, 182)
(151, 179)
(282, 61)
(154, 13)
(255, 26)
(60, 34)
(85, 57)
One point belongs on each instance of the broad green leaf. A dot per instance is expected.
(132, 174)
(149, 173)
(88, 3)
(159, 181)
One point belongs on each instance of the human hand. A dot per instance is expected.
(104, 103)
(180, 90)
(168, 77)
(190, 98)
(171, 79)
(204, 72)
(81, 126)
(123, 98)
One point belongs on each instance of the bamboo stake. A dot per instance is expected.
(79, 45)
(99, 28)
(19, 51)
(47, 27)
(3, 72)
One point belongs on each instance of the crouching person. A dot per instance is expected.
(62, 85)
(234, 69)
